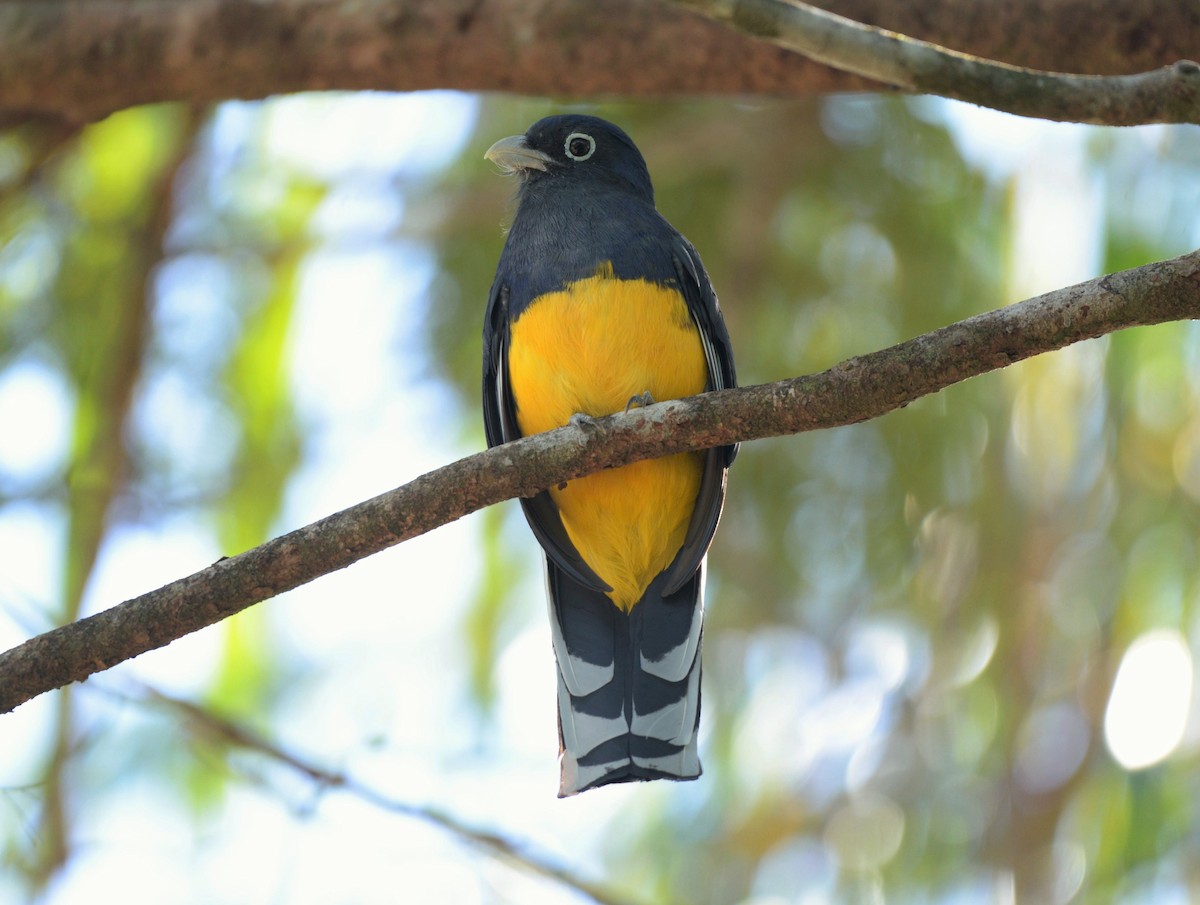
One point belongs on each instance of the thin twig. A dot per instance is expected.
(853, 391)
(1167, 95)
(519, 854)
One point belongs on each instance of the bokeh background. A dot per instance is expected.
(950, 654)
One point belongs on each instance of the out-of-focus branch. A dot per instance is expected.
(855, 390)
(82, 61)
(519, 854)
(1167, 95)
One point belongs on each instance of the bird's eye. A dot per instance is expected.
(580, 146)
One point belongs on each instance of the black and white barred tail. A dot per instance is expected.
(628, 683)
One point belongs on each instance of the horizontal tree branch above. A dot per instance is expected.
(1169, 94)
(81, 61)
(855, 390)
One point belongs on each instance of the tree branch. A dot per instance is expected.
(82, 61)
(1167, 95)
(855, 390)
(518, 854)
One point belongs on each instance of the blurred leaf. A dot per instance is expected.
(268, 453)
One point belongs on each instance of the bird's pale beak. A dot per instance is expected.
(513, 155)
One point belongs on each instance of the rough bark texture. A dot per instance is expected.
(853, 391)
(81, 61)
(1169, 94)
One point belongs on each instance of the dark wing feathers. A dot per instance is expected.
(499, 420)
(702, 303)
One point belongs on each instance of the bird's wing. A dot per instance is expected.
(718, 353)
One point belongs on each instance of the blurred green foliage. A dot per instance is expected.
(914, 623)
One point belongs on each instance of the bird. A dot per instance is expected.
(598, 305)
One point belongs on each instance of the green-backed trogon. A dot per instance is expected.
(598, 303)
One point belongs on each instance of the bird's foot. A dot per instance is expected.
(641, 400)
(582, 421)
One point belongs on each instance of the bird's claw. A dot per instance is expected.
(641, 400)
(582, 421)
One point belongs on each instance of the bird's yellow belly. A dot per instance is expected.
(589, 349)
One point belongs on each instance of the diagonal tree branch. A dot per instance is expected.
(81, 61)
(855, 390)
(521, 855)
(1167, 95)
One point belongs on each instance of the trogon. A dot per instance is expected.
(599, 304)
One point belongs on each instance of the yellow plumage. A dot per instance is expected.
(589, 349)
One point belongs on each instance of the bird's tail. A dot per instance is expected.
(628, 683)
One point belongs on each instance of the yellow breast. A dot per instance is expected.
(589, 349)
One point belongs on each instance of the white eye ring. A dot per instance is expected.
(591, 145)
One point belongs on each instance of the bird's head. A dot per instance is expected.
(578, 149)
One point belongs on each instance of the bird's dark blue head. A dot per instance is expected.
(574, 149)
